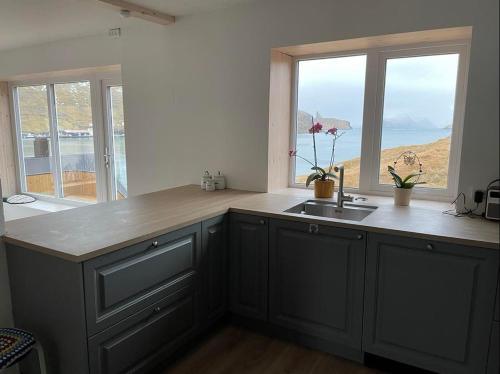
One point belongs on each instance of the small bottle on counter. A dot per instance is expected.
(204, 179)
(210, 185)
(220, 181)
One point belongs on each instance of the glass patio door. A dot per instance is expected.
(114, 152)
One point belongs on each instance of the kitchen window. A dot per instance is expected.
(70, 138)
(384, 102)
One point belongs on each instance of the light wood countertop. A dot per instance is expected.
(422, 219)
(83, 233)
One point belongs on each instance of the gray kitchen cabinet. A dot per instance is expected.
(143, 340)
(125, 311)
(429, 304)
(494, 352)
(214, 265)
(249, 265)
(125, 281)
(316, 280)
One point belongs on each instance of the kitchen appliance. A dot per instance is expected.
(493, 201)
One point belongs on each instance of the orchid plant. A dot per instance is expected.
(319, 173)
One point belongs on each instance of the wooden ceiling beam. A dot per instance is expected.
(139, 11)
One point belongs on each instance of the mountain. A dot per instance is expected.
(304, 121)
(406, 122)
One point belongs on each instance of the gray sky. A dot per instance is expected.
(420, 88)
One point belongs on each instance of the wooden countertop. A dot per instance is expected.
(83, 233)
(422, 219)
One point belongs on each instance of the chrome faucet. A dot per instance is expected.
(340, 195)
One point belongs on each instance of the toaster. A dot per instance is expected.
(493, 203)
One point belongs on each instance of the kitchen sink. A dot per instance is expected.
(329, 209)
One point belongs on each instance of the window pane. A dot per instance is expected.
(76, 142)
(118, 129)
(35, 134)
(331, 91)
(418, 115)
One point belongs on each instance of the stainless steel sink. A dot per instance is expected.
(349, 212)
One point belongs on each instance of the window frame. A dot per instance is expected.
(373, 114)
(96, 96)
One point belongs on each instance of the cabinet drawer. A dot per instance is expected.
(145, 339)
(124, 282)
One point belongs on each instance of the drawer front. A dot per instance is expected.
(121, 283)
(147, 338)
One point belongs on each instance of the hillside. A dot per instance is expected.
(434, 157)
(304, 121)
(72, 103)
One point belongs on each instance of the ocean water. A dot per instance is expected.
(349, 145)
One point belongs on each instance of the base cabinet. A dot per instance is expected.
(214, 265)
(249, 266)
(316, 280)
(429, 304)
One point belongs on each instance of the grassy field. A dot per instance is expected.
(434, 158)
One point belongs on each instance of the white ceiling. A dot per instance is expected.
(31, 22)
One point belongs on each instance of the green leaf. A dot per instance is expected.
(318, 169)
(312, 177)
(411, 176)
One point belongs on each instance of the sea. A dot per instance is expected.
(349, 145)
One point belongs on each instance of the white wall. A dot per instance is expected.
(196, 93)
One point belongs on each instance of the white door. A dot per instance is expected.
(114, 139)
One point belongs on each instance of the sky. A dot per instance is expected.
(420, 88)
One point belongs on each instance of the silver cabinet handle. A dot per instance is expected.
(157, 309)
(430, 247)
(359, 236)
(155, 244)
(262, 222)
(313, 228)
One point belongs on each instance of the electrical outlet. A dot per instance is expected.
(478, 196)
(115, 33)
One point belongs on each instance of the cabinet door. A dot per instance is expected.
(249, 265)
(317, 280)
(214, 268)
(429, 304)
(494, 352)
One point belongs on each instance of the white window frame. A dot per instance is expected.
(96, 96)
(373, 115)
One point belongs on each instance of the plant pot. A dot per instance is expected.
(402, 196)
(323, 189)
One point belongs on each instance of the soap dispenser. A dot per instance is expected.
(204, 179)
(220, 181)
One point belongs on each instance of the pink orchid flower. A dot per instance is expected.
(332, 131)
(315, 128)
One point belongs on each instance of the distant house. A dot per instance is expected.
(304, 122)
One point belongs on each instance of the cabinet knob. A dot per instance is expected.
(262, 222)
(157, 309)
(313, 228)
(430, 247)
(359, 236)
(155, 244)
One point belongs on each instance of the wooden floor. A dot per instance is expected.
(233, 350)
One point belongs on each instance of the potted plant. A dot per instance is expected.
(403, 186)
(323, 177)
